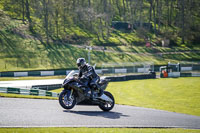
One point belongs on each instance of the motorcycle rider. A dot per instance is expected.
(88, 76)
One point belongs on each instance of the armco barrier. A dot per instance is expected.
(13, 90)
(195, 74)
(132, 77)
(34, 73)
(196, 67)
(7, 74)
(108, 70)
(3, 90)
(47, 87)
(49, 94)
(186, 75)
(60, 72)
(24, 91)
(42, 93)
(20, 74)
(47, 73)
(35, 92)
(54, 94)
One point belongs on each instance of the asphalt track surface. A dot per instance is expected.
(19, 112)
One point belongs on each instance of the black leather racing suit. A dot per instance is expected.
(90, 78)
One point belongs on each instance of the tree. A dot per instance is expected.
(28, 16)
(23, 11)
(46, 18)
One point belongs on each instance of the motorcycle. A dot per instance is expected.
(74, 93)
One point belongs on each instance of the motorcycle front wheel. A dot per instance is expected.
(67, 103)
(108, 105)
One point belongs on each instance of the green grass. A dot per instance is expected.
(26, 96)
(32, 55)
(95, 130)
(180, 95)
(61, 57)
(36, 56)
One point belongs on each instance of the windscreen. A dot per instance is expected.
(70, 74)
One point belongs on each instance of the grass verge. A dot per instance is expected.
(180, 95)
(95, 130)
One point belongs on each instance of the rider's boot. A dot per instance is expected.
(100, 92)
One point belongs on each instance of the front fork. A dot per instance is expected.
(69, 93)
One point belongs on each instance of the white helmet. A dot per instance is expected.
(80, 63)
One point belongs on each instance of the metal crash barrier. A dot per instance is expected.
(35, 92)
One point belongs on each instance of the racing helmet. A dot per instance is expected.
(80, 63)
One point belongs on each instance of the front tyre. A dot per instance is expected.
(67, 103)
(107, 106)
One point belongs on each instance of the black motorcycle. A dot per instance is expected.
(74, 93)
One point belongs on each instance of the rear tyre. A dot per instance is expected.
(108, 105)
(67, 103)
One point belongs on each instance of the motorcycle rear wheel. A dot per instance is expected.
(67, 104)
(107, 106)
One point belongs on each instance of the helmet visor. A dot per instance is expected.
(78, 64)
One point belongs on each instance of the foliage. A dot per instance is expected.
(67, 20)
(37, 35)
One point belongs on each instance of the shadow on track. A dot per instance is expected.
(109, 115)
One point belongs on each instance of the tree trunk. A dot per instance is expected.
(150, 10)
(101, 27)
(118, 7)
(28, 16)
(154, 15)
(57, 28)
(105, 6)
(124, 9)
(131, 10)
(23, 12)
(127, 5)
(183, 20)
(74, 5)
(159, 12)
(46, 17)
(141, 6)
(171, 11)
(89, 3)
(168, 13)
(64, 15)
